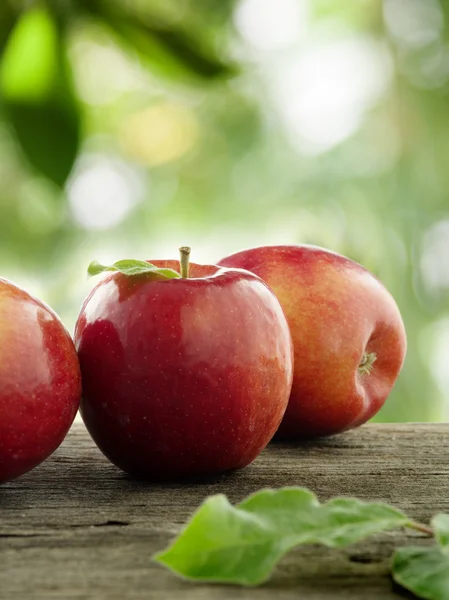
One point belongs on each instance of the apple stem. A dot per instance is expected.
(367, 362)
(184, 257)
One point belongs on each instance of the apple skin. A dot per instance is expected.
(337, 311)
(183, 377)
(40, 381)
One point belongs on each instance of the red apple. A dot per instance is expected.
(40, 381)
(348, 336)
(184, 376)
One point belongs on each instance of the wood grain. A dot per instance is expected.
(77, 528)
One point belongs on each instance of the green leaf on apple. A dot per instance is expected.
(242, 544)
(425, 570)
(131, 267)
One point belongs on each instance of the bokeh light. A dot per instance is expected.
(102, 191)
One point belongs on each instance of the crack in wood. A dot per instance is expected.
(364, 559)
(23, 535)
(109, 523)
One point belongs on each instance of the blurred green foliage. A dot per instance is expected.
(130, 128)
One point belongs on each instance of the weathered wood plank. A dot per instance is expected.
(76, 527)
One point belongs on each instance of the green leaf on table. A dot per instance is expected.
(425, 570)
(37, 95)
(440, 525)
(242, 544)
(129, 266)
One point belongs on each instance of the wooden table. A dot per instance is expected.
(76, 527)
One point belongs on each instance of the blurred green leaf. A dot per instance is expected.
(7, 21)
(48, 135)
(37, 97)
(29, 62)
(171, 50)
